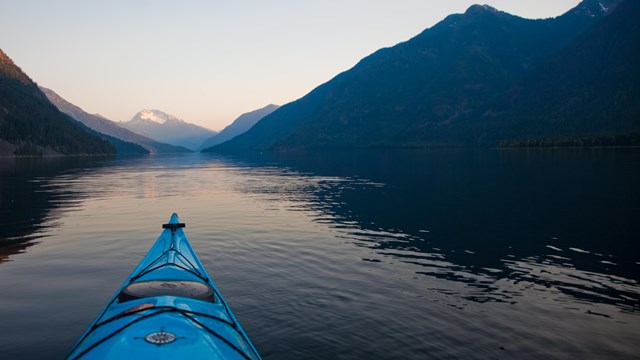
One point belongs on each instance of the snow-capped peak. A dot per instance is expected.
(150, 115)
(156, 116)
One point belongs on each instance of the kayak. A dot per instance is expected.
(168, 308)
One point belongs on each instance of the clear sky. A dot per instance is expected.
(208, 61)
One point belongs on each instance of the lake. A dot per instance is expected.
(474, 254)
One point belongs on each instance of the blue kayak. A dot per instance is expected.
(167, 309)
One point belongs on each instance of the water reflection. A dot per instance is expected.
(496, 222)
(501, 224)
(29, 202)
(451, 253)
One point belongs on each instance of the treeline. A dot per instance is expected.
(627, 140)
(32, 123)
(121, 146)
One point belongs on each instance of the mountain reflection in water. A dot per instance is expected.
(29, 201)
(377, 254)
(500, 224)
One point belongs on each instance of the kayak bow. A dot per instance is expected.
(167, 309)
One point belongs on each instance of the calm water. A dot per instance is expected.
(380, 255)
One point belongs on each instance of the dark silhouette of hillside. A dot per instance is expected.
(444, 87)
(31, 125)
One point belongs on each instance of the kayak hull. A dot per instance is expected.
(167, 309)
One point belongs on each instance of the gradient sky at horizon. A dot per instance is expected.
(207, 62)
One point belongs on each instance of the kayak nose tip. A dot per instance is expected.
(174, 219)
(173, 224)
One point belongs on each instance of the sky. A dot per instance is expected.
(209, 61)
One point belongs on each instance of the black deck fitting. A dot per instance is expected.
(173, 227)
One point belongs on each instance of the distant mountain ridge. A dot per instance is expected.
(169, 129)
(432, 90)
(108, 127)
(31, 125)
(595, 8)
(240, 125)
(590, 88)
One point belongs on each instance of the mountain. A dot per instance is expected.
(31, 125)
(428, 91)
(122, 147)
(590, 88)
(110, 128)
(166, 128)
(85, 121)
(240, 125)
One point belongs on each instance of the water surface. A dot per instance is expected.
(381, 255)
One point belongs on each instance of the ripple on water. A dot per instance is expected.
(339, 263)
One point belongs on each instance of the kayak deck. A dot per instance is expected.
(168, 308)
